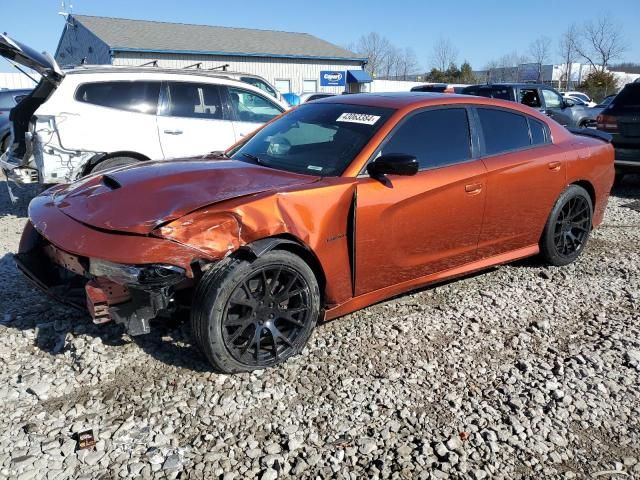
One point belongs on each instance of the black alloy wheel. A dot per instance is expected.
(251, 314)
(266, 315)
(568, 227)
(572, 226)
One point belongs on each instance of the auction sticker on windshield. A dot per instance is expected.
(358, 118)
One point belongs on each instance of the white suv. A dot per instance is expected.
(93, 118)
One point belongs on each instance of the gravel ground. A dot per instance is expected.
(523, 371)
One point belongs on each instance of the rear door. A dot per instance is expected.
(410, 227)
(250, 110)
(193, 120)
(525, 175)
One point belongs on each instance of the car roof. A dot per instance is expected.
(148, 73)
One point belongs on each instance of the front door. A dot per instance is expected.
(554, 107)
(409, 227)
(193, 121)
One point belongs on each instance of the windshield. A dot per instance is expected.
(316, 139)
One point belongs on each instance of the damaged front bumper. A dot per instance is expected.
(69, 279)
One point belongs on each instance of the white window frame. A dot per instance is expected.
(315, 87)
(288, 80)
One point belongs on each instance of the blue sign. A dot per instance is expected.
(332, 79)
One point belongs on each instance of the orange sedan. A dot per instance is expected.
(333, 206)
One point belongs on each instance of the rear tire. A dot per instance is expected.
(113, 163)
(248, 315)
(568, 227)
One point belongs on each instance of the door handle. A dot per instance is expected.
(554, 166)
(473, 188)
(173, 132)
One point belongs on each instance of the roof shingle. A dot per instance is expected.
(125, 34)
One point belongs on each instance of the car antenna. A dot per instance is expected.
(221, 67)
(196, 65)
(153, 63)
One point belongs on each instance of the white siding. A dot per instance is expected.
(272, 69)
(17, 80)
(78, 43)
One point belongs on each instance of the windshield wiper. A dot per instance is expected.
(254, 158)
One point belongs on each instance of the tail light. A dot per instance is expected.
(607, 122)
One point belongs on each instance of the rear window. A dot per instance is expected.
(629, 96)
(430, 88)
(141, 97)
(503, 131)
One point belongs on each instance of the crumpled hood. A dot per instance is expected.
(139, 198)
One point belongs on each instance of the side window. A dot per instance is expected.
(194, 100)
(436, 137)
(260, 84)
(503, 131)
(141, 97)
(250, 107)
(551, 99)
(530, 97)
(538, 132)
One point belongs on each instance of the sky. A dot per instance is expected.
(481, 30)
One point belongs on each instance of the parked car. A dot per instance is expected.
(583, 97)
(338, 204)
(85, 120)
(311, 96)
(621, 119)
(439, 88)
(538, 96)
(8, 100)
(592, 113)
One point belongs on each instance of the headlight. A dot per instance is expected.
(143, 276)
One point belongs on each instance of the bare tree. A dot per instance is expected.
(602, 40)
(390, 62)
(568, 50)
(540, 50)
(444, 54)
(407, 64)
(375, 48)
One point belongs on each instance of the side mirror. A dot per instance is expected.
(568, 103)
(393, 164)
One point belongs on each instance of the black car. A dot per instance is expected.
(622, 120)
(8, 100)
(538, 96)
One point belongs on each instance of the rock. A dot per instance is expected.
(39, 390)
(633, 358)
(367, 445)
(557, 440)
(269, 474)
(172, 462)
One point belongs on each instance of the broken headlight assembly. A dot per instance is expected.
(141, 276)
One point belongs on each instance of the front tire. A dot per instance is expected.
(568, 227)
(249, 315)
(113, 163)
